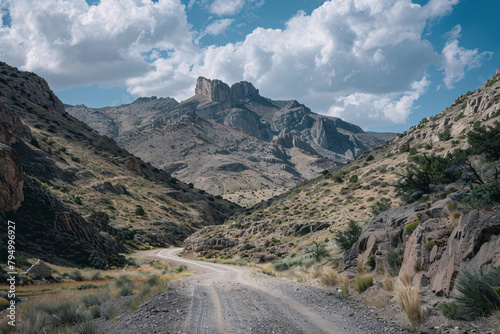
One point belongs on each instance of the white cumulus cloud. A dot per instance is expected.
(363, 60)
(226, 7)
(71, 43)
(218, 27)
(457, 60)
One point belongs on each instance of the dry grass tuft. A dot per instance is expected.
(362, 282)
(344, 284)
(361, 268)
(329, 276)
(388, 282)
(408, 298)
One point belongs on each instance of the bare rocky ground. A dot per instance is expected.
(229, 299)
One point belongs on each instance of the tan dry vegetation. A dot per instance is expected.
(147, 279)
(409, 298)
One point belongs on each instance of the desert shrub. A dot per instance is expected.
(95, 312)
(413, 150)
(22, 261)
(370, 158)
(353, 178)
(446, 134)
(123, 280)
(424, 171)
(139, 210)
(483, 195)
(345, 239)
(362, 282)
(451, 310)
(459, 117)
(318, 251)
(281, 266)
(339, 176)
(86, 286)
(247, 246)
(96, 276)
(63, 313)
(411, 227)
(78, 200)
(100, 214)
(76, 275)
(126, 290)
(371, 261)
(430, 245)
(181, 268)
(395, 259)
(125, 284)
(153, 280)
(478, 292)
(486, 140)
(95, 299)
(380, 206)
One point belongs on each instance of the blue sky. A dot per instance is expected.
(381, 64)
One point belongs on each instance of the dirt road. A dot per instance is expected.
(229, 299)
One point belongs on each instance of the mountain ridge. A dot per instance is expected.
(276, 144)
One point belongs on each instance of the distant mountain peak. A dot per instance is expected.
(218, 91)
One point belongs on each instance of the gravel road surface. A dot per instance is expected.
(222, 299)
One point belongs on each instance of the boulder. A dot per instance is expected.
(39, 270)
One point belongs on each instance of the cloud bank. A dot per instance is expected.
(362, 60)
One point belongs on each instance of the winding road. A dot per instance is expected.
(221, 299)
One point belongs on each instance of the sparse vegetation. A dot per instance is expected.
(451, 310)
(395, 260)
(411, 227)
(344, 285)
(362, 282)
(409, 299)
(76, 275)
(329, 276)
(479, 293)
(345, 239)
(424, 171)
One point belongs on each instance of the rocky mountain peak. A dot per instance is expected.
(218, 91)
(242, 89)
(214, 90)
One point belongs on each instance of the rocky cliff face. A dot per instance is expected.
(11, 179)
(220, 92)
(12, 130)
(222, 125)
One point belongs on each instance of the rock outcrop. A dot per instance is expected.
(218, 91)
(437, 247)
